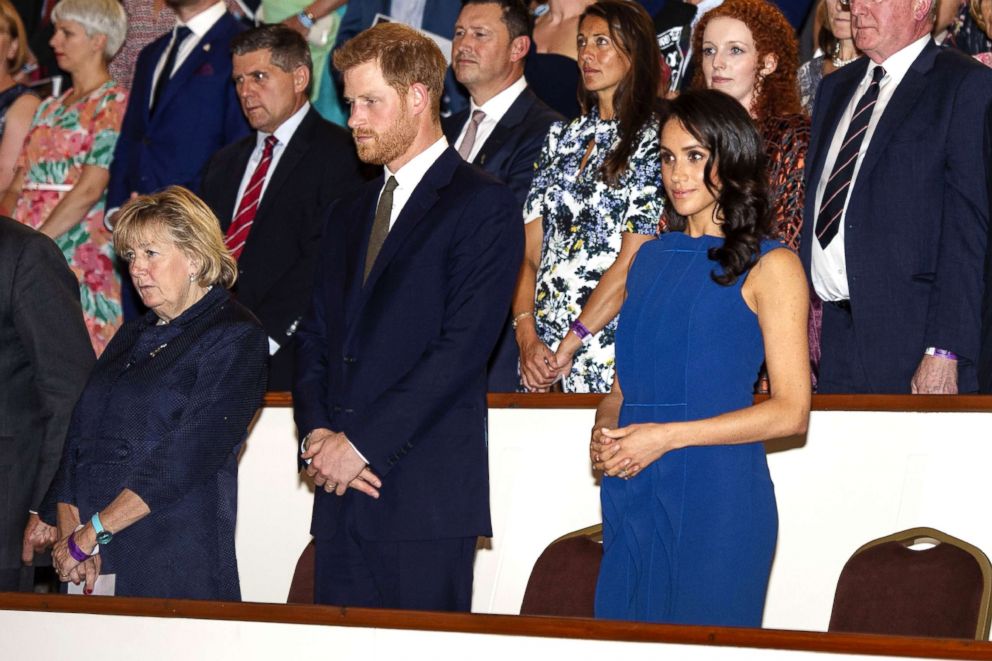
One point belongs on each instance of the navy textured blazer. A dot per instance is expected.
(198, 114)
(399, 365)
(164, 414)
(275, 272)
(917, 218)
(510, 154)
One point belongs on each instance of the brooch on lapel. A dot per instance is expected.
(154, 352)
(206, 48)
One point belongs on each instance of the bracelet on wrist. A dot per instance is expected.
(520, 317)
(941, 353)
(580, 330)
(306, 18)
(77, 553)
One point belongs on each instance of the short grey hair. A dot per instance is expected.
(106, 17)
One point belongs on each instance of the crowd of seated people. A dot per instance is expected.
(660, 242)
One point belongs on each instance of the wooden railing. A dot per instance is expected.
(893, 403)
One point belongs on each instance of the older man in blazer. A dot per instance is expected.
(897, 208)
(504, 128)
(45, 358)
(414, 278)
(271, 189)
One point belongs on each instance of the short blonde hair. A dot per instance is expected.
(404, 56)
(106, 17)
(188, 222)
(15, 28)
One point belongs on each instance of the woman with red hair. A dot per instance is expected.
(748, 49)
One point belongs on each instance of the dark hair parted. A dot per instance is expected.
(777, 94)
(632, 32)
(516, 17)
(735, 174)
(288, 48)
(403, 55)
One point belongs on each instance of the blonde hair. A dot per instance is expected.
(188, 222)
(404, 56)
(15, 28)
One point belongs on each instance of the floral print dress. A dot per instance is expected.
(583, 221)
(61, 141)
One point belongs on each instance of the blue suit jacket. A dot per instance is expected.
(917, 217)
(510, 154)
(399, 364)
(198, 114)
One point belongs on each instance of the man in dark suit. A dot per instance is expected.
(45, 358)
(897, 209)
(414, 278)
(504, 128)
(182, 108)
(271, 200)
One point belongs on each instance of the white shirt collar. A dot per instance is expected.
(410, 174)
(284, 132)
(899, 62)
(497, 106)
(202, 22)
(704, 6)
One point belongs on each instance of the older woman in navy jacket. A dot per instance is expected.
(147, 488)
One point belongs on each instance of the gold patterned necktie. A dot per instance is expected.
(380, 226)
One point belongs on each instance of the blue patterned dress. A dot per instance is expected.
(690, 539)
(584, 220)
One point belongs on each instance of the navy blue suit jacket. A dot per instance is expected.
(917, 217)
(399, 364)
(510, 154)
(198, 114)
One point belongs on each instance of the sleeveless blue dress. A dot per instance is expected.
(690, 539)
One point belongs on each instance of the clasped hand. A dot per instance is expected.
(336, 466)
(626, 451)
(71, 570)
(540, 367)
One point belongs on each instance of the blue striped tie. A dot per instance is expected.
(835, 194)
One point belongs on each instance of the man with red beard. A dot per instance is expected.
(415, 277)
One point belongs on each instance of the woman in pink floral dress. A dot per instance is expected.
(60, 184)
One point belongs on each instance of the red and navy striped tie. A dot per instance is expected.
(835, 193)
(237, 233)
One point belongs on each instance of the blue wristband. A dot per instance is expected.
(102, 536)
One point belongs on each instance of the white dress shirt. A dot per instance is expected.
(199, 26)
(410, 12)
(494, 108)
(408, 177)
(283, 134)
(829, 266)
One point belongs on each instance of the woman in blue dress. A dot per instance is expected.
(689, 514)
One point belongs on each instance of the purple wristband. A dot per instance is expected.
(943, 353)
(581, 331)
(76, 552)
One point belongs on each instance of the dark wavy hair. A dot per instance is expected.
(632, 31)
(777, 94)
(735, 175)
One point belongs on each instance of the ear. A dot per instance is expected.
(12, 50)
(519, 48)
(921, 9)
(301, 78)
(768, 64)
(418, 99)
(99, 43)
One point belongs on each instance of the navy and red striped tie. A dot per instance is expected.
(835, 193)
(237, 233)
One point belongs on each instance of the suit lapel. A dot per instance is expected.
(294, 152)
(155, 51)
(424, 196)
(902, 102)
(211, 41)
(358, 244)
(504, 128)
(235, 170)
